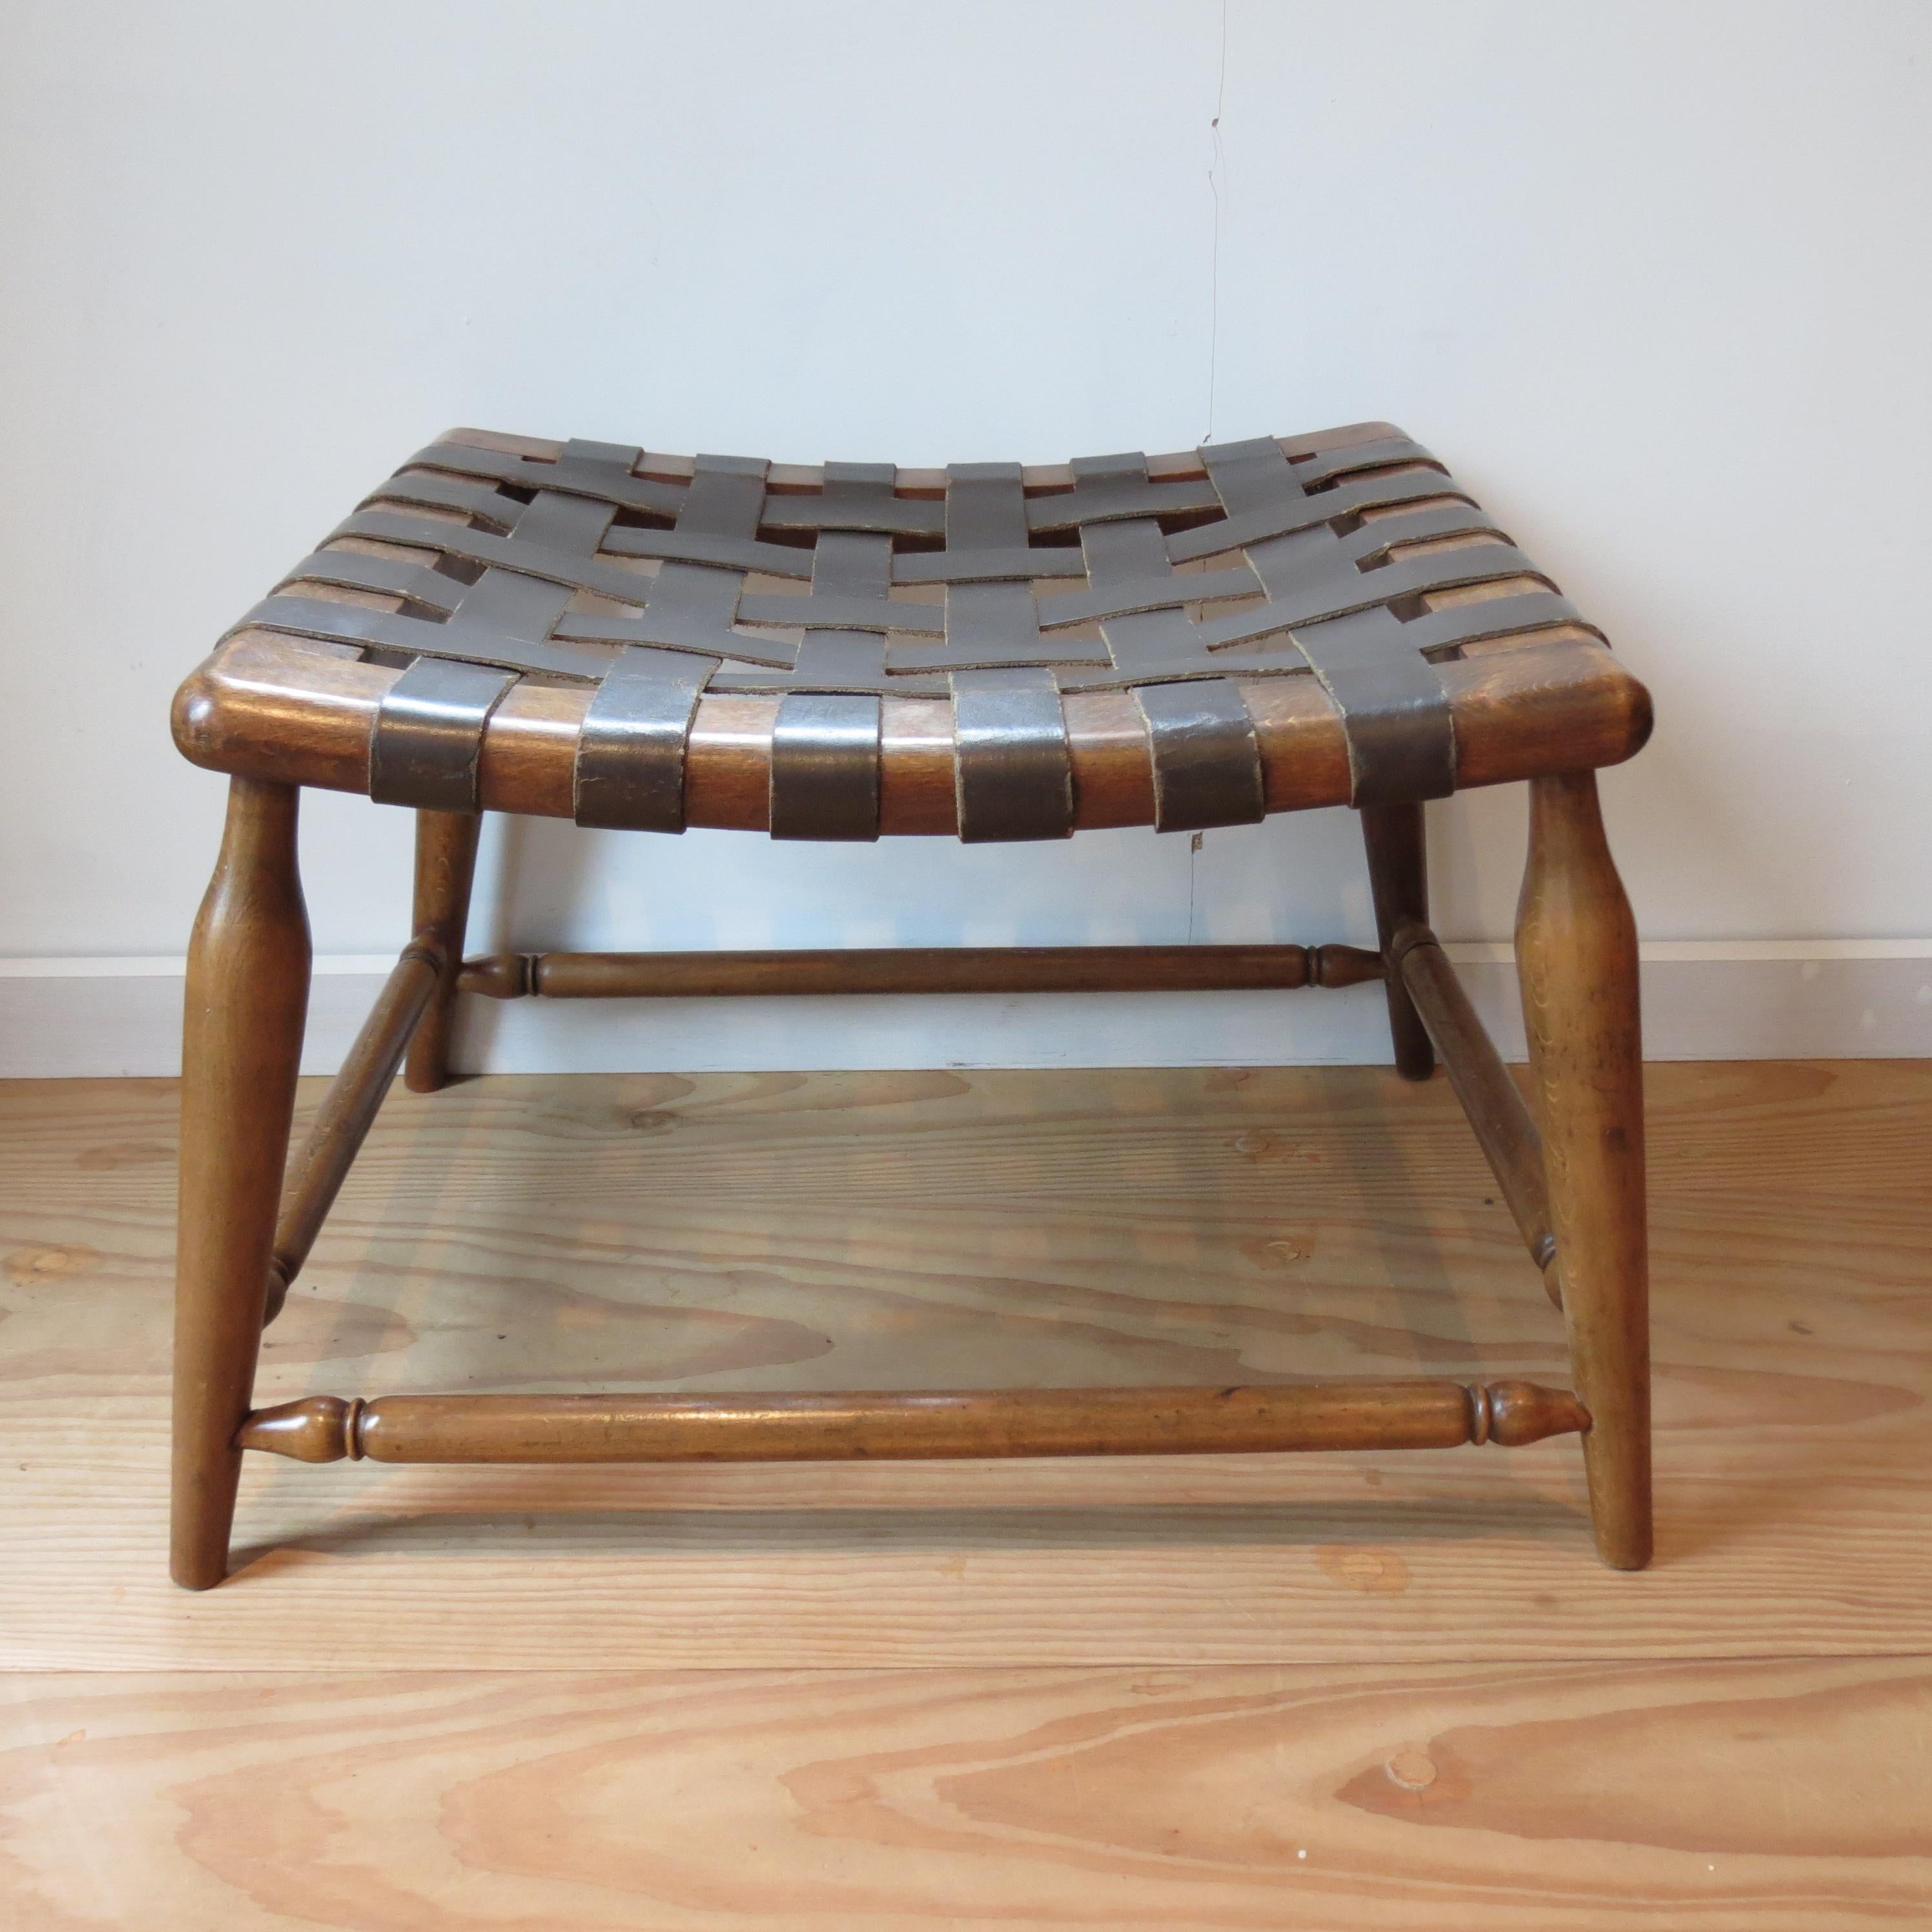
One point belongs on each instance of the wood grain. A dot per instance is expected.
(246, 1000)
(839, 970)
(1498, 1115)
(445, 870)
(348, 1109)
(1576, 960)
(815, 1231)
(915, 1425)
(1752, 1797)
(1393, 837)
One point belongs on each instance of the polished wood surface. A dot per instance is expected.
(929, 969)
(247, 999)
(1393, 837)
(913, 1425)
(723, 1233)
(1576, 947)
(445, 870)
(1782, 1796)
(1498, 1113)
(301, 711)
(349, 1109)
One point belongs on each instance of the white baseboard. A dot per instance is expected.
(1727, 1000)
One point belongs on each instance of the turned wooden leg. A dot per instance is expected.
(1399, 878)
(446, 867)
(1576, 947)
(248, 997)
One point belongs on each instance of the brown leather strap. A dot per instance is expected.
(523, 555)
(825, 766)
(1107, 489)
(390, 634)
(427, 737)
(630, 761)
(825, 744)
(1013, 774)
(1395, 713)
(601, 471)
(421, 490)
(1207, 764)
(1270, 513)
(1333, 577)
(1201, 741)
(395, 576)
(428, 734)
(629, 771)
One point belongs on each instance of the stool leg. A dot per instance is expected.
(445, 869)
(1576, 947)
(1399, 878)
(248, 997)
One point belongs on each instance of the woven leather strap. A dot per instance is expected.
(658, 580)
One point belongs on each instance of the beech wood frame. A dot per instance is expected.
(1575, 1186)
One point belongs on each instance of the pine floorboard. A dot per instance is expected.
(1349, 1690)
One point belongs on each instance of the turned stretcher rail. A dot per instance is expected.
(347, 1112)
(951, 1423)
(1504, 1128)
(943, 969)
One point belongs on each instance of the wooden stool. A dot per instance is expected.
(584, 631)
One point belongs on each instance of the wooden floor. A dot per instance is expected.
(1352, 1691)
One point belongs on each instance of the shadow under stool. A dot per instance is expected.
(582, 630)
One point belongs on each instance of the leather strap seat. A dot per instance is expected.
(586, 630)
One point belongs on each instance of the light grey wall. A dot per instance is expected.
(1655, 277)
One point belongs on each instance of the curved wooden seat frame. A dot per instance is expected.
(580, 630)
